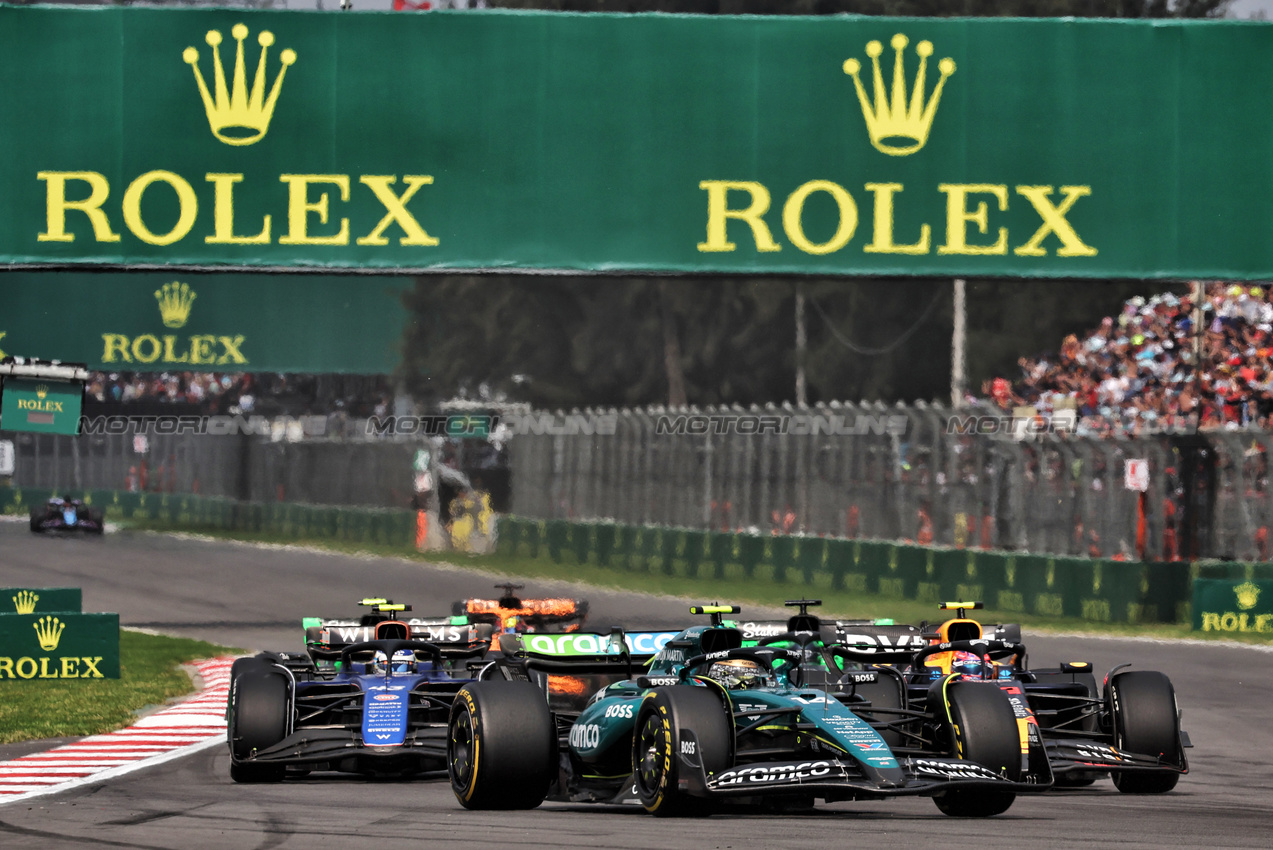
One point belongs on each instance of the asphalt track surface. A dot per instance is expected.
(254, 598)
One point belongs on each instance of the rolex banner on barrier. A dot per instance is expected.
(40, 600)
(46, 407)
(155, 321)
(59, 646)
(209, 138)
(1221, 605)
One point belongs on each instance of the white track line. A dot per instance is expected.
(176, 731)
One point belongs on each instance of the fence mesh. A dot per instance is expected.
(856, 471)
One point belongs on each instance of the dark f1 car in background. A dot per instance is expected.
(67, 514)
(1128, 729)
(713, 721)
(510, 613)
(375, 704)
(325, 639)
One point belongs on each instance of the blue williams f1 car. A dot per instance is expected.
(711, 722)
(377, 704)
(66, 514)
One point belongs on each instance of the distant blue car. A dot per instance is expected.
(66, 514)
(380, 707)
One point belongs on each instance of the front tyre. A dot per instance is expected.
(501, 746)
(656, 746)
(1145, 723)
(985, 727)
(260, 709)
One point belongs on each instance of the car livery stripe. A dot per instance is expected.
(181, 729)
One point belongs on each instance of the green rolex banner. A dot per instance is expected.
(49, 407)
(1221, 605)
(59, 646)
(151, 321)
(206, 138)
(40, 600)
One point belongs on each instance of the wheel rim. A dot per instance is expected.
(460, 748)
(650, 762)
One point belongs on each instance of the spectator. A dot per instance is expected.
(1135, 373)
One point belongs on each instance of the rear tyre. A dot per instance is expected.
(1143, 704)
(987, 734)
(501, 746)
(259, 714)
(656, 746)
(36, 520)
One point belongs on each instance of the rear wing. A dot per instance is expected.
(880, 643)
(560, 612)
(754, 631)
(577, 649)
(571, 667)
(876, 642)
(457, 637)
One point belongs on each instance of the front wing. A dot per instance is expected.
(340, 749)
(834, 776)
(1080, 754)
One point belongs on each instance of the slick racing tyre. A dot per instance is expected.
(1143, 704)
(37, 520)
(986, 730)
(501, 746)
(259, 714)
(656, 746)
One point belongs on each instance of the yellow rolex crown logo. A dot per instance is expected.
(48, 630)
(1248, 594)
(175, 300)
(236, 116)
(25, 602)
(897, 127)
(41, 391)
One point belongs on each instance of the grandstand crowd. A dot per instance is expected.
(243, 393)
(1149, 369)
(1146, 370)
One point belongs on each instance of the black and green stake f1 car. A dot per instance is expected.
(788, 721)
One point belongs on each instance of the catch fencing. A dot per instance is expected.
(866, 471)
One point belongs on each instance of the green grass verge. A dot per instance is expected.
(736, 587)
(149, 675)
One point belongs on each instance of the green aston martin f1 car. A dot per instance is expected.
(709, 721)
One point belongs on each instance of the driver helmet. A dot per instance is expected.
(737, 673)
(968, 664)
(403, 662)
